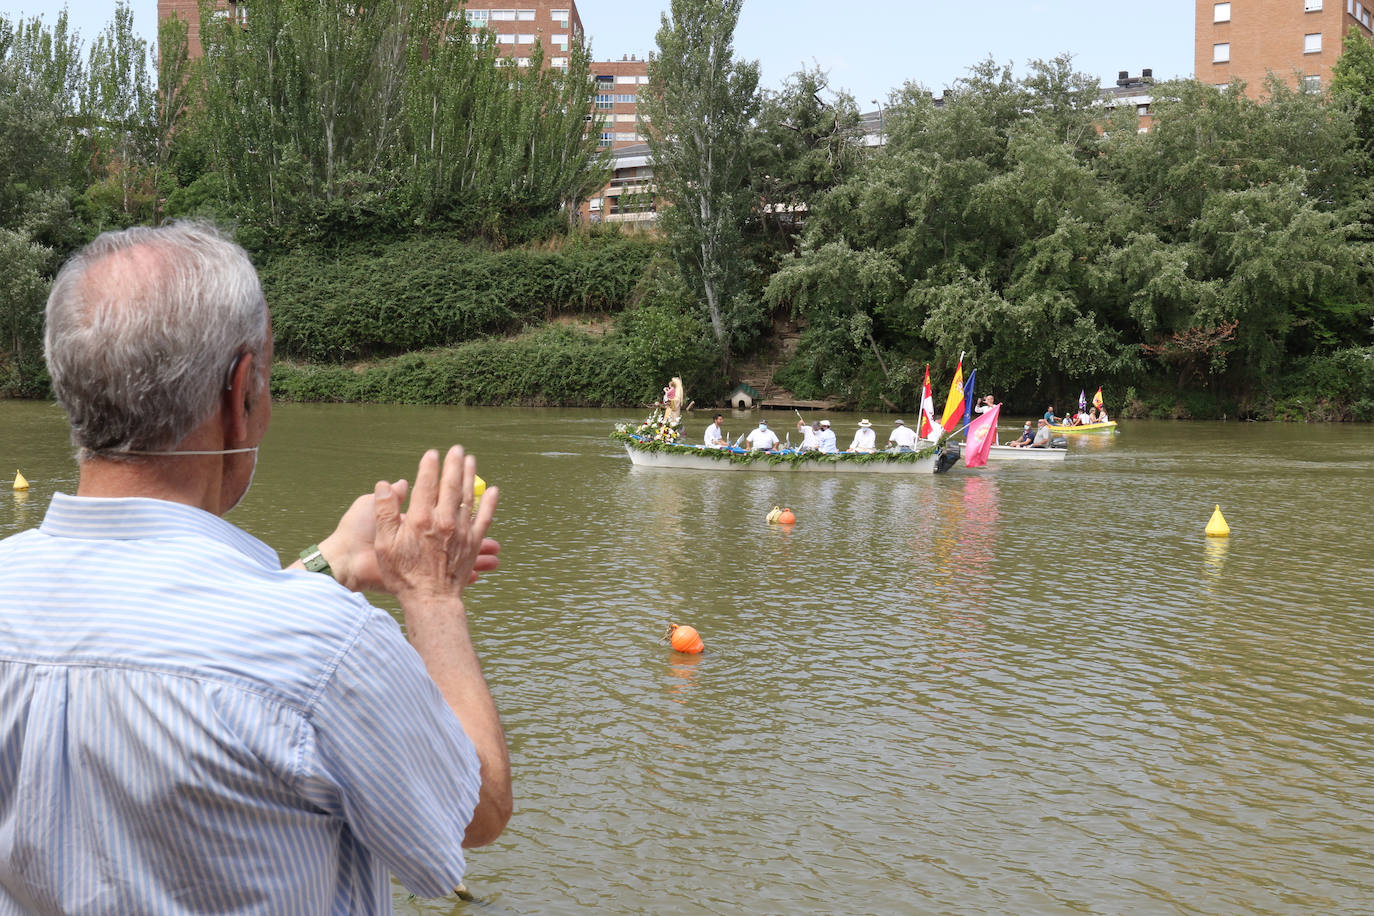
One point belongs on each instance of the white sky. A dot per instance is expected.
(869, 53)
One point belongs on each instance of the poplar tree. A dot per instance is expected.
(699, 108)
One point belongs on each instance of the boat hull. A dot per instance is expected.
(1086, 428)
(1007, 453)
(840, 465)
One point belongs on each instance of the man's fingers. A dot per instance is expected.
(426, 486)
(451, 484)
(482, 520)
(387, 507)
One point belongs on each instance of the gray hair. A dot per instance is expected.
(143, 326)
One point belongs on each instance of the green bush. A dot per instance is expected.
(553, 366)
(365, 301)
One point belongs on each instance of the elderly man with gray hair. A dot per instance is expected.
(184, 725)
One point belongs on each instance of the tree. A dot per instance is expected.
(698, 110)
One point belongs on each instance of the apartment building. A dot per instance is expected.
(1298, 41)
(615, 110)
(555, 24)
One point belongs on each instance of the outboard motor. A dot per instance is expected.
(1059, 442)
(948, 456)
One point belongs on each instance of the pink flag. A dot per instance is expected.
(982, 433)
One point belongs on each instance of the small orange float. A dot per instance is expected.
(787, 518)
(684, 639)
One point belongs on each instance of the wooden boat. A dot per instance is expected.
(646, 453)
(1085, 428)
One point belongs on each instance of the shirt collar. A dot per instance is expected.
(137, 517)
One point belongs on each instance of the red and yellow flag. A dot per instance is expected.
(954, 404)
(1097, 399)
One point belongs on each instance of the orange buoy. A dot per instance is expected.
(787, 518)
(684, 639)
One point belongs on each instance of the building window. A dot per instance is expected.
(522, 61)
(625, 98)
(1142, 110)
(560, 62)
(1311, 84)
(505, 39)
(607, 80)
(626, 135)
(1359, 10)
(625, 80)
(524, 39)
(503, 15)
(477, 18)
(643, 81)
(1312, 44)
(1221, 53)
(524, 15)
(560, 17)
(1221, 12)
(625, 118)
(603, 101)
(1311, 6)
(560, 42)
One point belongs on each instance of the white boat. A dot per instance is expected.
(647, 454)
(1007, 453)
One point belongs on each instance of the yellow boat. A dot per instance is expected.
(1085, 428)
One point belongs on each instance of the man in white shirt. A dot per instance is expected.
(864, 438)
(763, 439)
(825, 439)
(808, 443)
(715, 438)
(902, 436)
(985, 405)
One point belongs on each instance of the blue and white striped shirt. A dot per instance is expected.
(187, 727)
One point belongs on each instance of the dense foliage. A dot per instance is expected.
(361, 301)
(1057, 249)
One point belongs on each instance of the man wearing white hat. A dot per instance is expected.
(864, 438)
(825, 439)
(902, 436)
(763, 438)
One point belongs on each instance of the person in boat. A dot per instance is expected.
(1042, 435)
(808, 436)
(865, 441)
(1083, 418)
(1026, 438)
(1102, 415)
(902, 436)
(1049, 415)
(825, 439)
(153, 757)
(763, 439)
(985, 405)
(715, 436)
(1092, 414)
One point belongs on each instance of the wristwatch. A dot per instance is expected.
(315, 561)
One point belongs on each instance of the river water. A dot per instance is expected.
(1025, 689)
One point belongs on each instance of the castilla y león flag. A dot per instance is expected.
(982, 433)
(928, 428)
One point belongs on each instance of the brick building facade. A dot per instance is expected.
(1298, 41)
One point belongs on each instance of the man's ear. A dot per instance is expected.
(240, 396)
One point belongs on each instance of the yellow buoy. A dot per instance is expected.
(19, 482)
(479, 486)
(1217, 527)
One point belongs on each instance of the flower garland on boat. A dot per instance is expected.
(643, 438)
(657, 428)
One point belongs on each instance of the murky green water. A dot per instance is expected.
(1021, 690)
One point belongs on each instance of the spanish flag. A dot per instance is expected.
(1097, 399)
(954, 404)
